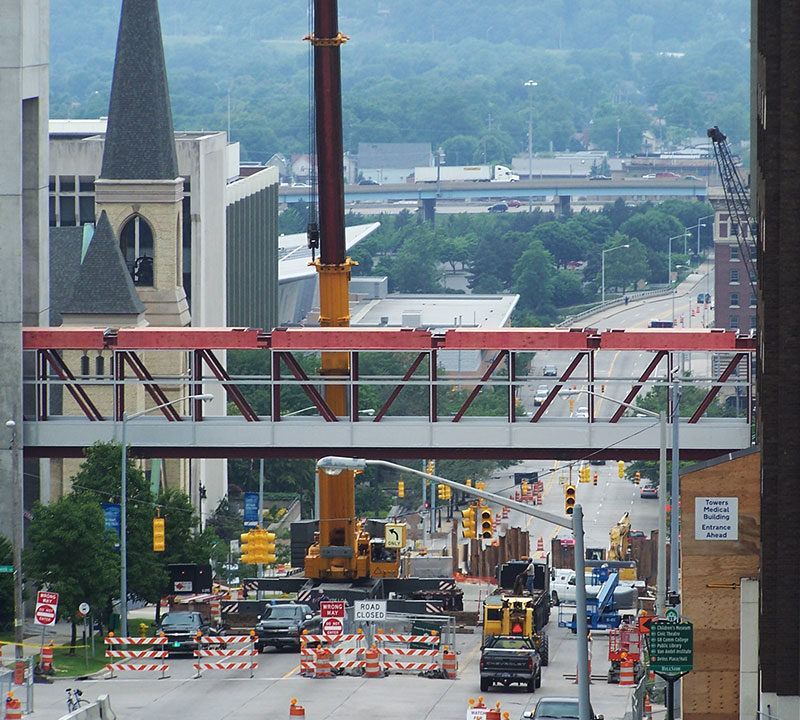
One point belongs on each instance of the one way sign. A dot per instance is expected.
(395, 536)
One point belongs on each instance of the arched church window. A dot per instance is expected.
(136, 243)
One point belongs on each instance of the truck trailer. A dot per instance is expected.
(464, 173)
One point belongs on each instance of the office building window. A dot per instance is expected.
(753, 322)
(734, 253)
(734, 299)
(66, 210)
(723, 229)
(85, 365)
(734, 322)
(99, 365)
(136, 243)
(734, 276)
(752, 299)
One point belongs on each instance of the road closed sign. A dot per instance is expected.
(46, 608)
(367, 610)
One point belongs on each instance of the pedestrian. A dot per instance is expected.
(626, 299)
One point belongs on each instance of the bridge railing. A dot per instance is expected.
(409, 373)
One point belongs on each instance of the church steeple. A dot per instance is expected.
(139, 186)
(140, 144)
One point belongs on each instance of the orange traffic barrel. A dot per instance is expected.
(648, 708)
(322, 662)
(449, 664)
(540, 544)
(372, 664)
(13, 708)
(47, 657)
(626, 672)
(296, 710)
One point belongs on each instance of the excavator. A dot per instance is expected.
(348, 558)
(618, 536)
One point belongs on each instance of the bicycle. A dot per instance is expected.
(75, 699)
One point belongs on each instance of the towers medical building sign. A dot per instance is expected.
(716, 518)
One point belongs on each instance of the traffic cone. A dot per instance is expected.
(295, 710)
(540, 544)
(648, 708)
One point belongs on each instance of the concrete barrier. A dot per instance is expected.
(100, 709)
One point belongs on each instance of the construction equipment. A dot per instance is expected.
(601, 611)
(737, 201)
(618, 545)
(521, 604)
(624, 644)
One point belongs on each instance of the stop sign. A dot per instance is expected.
(45, 614)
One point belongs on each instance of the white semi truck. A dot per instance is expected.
(473, 173)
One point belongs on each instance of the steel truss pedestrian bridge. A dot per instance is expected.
(416, 412)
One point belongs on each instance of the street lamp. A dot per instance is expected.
(603, 263)
(123, 504)
(333, 465)
(365, 411)
(674, 290)
(17, 539)
(698, 226)
(439, 163)
(669, 256)
(530, 84)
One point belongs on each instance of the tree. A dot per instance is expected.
(71, 553)
(566, 288)
(627, 266)
(98, 480)
(562, 240)
(531, 277)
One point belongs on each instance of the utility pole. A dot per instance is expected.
(530, 84)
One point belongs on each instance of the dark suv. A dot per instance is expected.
(181, 628)
(283, 625)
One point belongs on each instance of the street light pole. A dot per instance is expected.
(123, 504)
(333, 465)
(17, 540)
(530, 84)
(675, 488)
(603, 263)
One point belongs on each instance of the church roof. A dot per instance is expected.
(140, 144)
(88, 274)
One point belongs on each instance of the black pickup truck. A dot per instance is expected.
(507, 659)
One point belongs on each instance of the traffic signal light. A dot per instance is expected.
(401, 489)
(431, 467)
(441, 491)
(248, 548)
(468, 521)
(448, 492)
(524, 487)
(269, 546)
(638, 478)
(621, 469)
(469, 482)
(569, 499)
(594, 479)
(480, 485)
(572, 404)
(487, 527)
(158, 534)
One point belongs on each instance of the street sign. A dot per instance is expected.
(365, 610)
(6, 568)
(645, 622)
(251, 509)
(716, 518)
(395, 535)
(671, 648)
(83, 608)
(332, 626)
(332, 613)
(46, 608)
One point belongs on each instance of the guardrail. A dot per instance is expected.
(614, 303)
(100, 709)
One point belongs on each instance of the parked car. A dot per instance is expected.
(691, 177)
(368, 181)
(498, 207)
(557, 708)
(600, 177)
(667, 175)
(513, 203)
(181, 628)
(283, 625)
(636, 534)
(582, 412)
(649, 176)
(550, 371)
(649, 491)
(541, 394)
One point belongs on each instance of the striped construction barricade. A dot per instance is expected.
(207, 656)
(143, 653)
(346, 654)
(407, 659)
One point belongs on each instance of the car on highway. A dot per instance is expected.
(600, 177)
(368, 181)
(581, 412)
(541, 394)
(557, 708)
(550, 371)
(649, 176)
(649, 491)
(283, 625)
(668, 174)
(691, 177)
(513, 203)
(497, 207)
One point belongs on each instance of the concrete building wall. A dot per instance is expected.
(711, 574)
(24, 107)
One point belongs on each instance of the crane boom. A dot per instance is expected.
(737, 201)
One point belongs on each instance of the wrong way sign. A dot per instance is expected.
(46, 608)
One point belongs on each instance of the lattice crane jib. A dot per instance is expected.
(738, 202)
